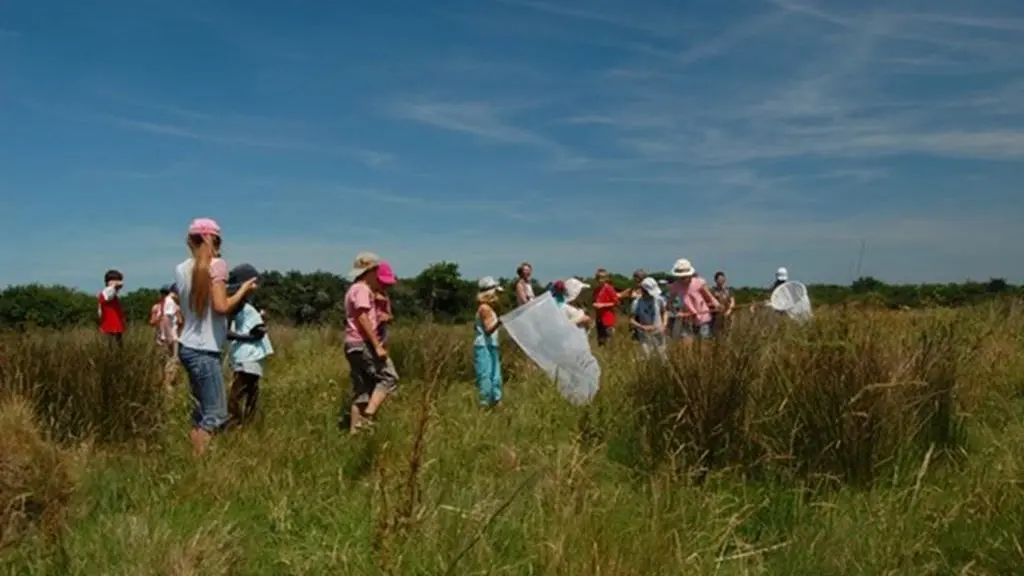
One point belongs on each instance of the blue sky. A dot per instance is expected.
(573, 134)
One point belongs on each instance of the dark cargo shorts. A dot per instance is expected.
(369, 372)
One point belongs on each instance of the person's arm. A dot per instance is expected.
(220, 301)
(664, 315)
(732, 305)
(521, 295)
(705, 292)
(489, 319)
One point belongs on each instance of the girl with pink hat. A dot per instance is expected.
(205, 306)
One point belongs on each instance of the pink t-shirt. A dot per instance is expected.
(693, 299)
(359, 298)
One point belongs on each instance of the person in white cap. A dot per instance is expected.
(565, 293)
(697, 301)
(781, 277)
(649, 317)
(486, 353)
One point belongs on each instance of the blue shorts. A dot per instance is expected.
(700, 331)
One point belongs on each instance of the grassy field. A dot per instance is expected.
(866, 443)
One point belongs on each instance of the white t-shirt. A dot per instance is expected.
(207, 332)
(169, 321)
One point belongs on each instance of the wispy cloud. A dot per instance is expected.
(486, 121)
(241, 132)
(844, 102)
(631, 20)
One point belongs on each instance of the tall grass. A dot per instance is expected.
(710, 462)
(83, 387)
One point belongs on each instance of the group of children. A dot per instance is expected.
(209, 307)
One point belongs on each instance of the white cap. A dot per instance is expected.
(573, 287)
(782, 274)
(489, 283)
(683, 269)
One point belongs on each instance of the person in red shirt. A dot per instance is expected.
(111, 315)
(606, 300)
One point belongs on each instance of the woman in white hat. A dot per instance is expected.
(486, 351)
(565, 293)
(697, 302)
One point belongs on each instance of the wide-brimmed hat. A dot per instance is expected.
(364, 262)
(782, 275)
(488, 283)
(650, 286)
(683, 269)
(573, 288)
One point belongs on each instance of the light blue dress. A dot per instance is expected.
(487, 364)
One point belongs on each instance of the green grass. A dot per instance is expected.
(541, 487)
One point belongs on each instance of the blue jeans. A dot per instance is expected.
(487, 363)
(206, 380)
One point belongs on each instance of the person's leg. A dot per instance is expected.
(686, 334)
(497, 381)
(207, 385)
(236, 396)
(252, 396)
(361, 388)
(382, 384)
(602, 334)
(482, 365)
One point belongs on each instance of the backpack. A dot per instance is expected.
(154, 314)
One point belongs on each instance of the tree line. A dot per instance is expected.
(439, 293)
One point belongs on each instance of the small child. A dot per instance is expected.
(649, 318)
(250, 347)
(486, 354)
(385, 316)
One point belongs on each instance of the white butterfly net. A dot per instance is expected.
(791, 299)
(558, 347)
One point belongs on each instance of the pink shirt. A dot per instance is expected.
(693, 299)
(359, 298)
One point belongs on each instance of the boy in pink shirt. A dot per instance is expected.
(697, 302)
(366, 354)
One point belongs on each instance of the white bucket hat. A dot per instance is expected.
(573, 288)
(488, 283)
(650, 285)
(683, 269)
(782, 274)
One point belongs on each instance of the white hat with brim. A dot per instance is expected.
(573, 288)
(683, 269)
(782, 274)
(650, 285)
(364, 262)
(487, 284)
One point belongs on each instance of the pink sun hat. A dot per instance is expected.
(385, 274)
(204, 227)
